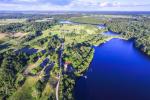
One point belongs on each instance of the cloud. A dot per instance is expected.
(84, 4)
(109, 4)
(60, 2)
(53, 2)
(25, 0)
(40, 5)
(118, 4)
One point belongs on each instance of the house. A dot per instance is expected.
(68, 68)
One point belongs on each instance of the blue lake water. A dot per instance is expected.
(110, 33)
(118, 71)
(101, 26)
(65, 22)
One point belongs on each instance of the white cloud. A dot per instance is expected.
(22, 7)
(118, 4)
(108, 4)
(25, 0)
(83, 4)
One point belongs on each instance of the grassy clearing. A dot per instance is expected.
(88, 20)
(75, 33)
(30, 67)
(44, 20)
(9, 37)
(3, 37)
(47, 91)
(78, 29)
(19, 34)
(25, 92)
(9, 21)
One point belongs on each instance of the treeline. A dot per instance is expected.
(26, 27)
(21, 15)
(14, 27)
(137, 29)
(36, 15)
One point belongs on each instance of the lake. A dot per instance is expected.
(118, 71)
(110, 33)
(65, 22)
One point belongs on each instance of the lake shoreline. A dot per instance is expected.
(91, 63)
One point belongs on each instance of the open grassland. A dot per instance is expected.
(8, 21)
(44, 20)
(88, 20)
(75, 33)
(10, 41)
(2, 36)
(25, 92)
(98, 19)
(77, 29)
(46, 92)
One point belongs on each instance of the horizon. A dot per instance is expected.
(64, 11)
(77, 12)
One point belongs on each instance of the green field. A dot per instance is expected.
(9, 21)
(89, 20)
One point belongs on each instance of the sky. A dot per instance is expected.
(75, 5)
